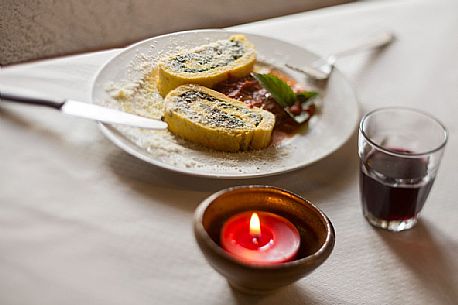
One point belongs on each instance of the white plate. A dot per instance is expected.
(327, 132)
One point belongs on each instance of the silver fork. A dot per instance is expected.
(322, 68)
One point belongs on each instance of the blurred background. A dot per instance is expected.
(37, 29)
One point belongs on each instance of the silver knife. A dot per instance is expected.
(85, 110)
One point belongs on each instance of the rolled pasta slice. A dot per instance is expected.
(207, 65)
(212, 119)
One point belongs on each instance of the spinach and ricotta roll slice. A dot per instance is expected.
(207, 65)
(212, 119)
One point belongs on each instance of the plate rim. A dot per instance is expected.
(111, 134)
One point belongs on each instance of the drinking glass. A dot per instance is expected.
(400, 150)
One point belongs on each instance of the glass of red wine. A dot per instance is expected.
(400, 150)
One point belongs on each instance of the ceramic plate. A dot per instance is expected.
(328, 130)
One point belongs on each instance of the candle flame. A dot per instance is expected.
(255, 225)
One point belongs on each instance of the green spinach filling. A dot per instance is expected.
(218, 54)
(214, 114)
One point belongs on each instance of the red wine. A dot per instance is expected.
(394, 188)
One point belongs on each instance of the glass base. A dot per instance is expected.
(391, 225)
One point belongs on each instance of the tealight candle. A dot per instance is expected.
(260, 238)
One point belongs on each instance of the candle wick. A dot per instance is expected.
(256, 239)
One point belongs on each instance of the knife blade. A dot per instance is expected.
(85, 110)
(110, 116)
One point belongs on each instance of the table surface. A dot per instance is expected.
(82, 222)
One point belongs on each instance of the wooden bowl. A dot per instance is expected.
(315, 229)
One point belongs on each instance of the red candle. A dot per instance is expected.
(260, 238)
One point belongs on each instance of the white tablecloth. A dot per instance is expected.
(82, 222)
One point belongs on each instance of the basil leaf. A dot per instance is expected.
(280, 91)
(304, 96)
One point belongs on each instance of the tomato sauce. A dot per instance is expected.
(248, 90)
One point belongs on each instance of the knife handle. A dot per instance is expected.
(25, 99)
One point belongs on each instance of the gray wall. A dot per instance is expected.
(33, 29)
